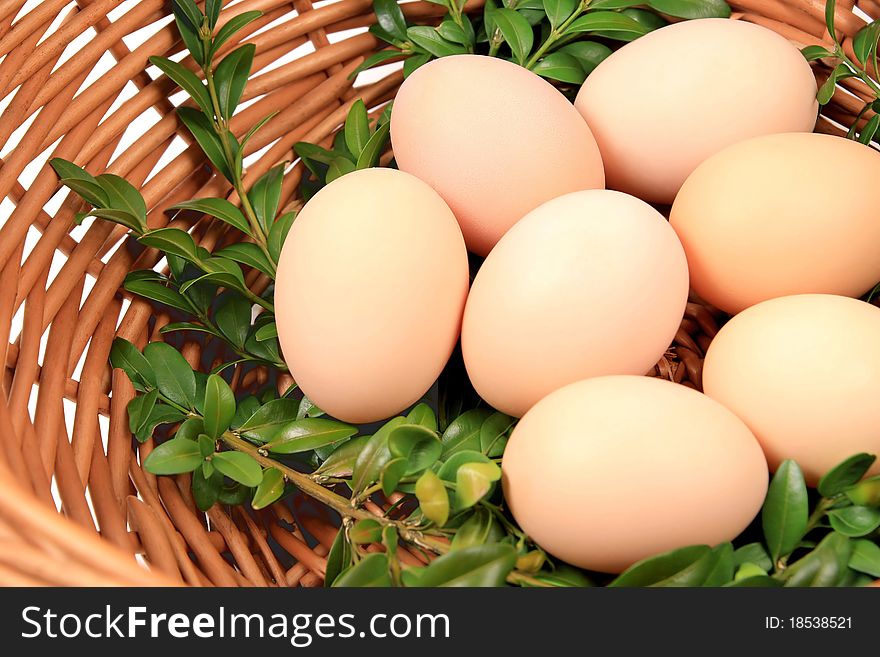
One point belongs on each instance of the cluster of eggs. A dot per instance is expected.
(583, 288)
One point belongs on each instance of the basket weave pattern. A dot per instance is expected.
(117, 524)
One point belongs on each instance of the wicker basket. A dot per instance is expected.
(117, 524)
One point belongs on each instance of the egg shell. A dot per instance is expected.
(803, 372)
(371, 285)
(494, 139)
(664, 103)
(591, 283)
(758, 222)
(610, 470)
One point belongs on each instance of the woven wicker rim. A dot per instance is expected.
(117, 524)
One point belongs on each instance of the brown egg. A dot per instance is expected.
(590, 283)
(664, 103)
(768, 217)
(371, 285)
(607, 471)
(803, 372)
(494, 139)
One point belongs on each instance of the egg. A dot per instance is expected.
(781, 214)
(803, 372)
(591, 283)
(369, 294)
(610, 470)
(494, 139)
(664, 103)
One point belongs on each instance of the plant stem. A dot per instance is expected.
(221, 128)
(555, 35)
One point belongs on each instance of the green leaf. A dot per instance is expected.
(691, 8)
(829, 17)
(865, 557)
(174, 456)
(186, 80)
(588, 53)
(278, 233)
(256, 128)
(248, 253)
(494, 433)
(391, 474)
(812, 53)
(753, 553)
(722, 568)
(455, 33)
(189, 19)
(269, 419)
(174, 376)
(357, 128)
(855, 521)
(865, 41)
(826, 91)
(341, 461)
(207, 139)
(473, 482)
(207, 445)
(688, 566)
(231, 77)
(372, 150)
(206, 487)
(478, 565)
(366, 530)
(222, 271)
(233, 318)
(371, 571)
(478, 529)
(415, 443)
(827, 565)
(565, 575)
(423, 415)
(235, 495)
(219, 208)
(212, 11)
(239, 467)
(235, 24)
(786, 509)
(607, 22)
(867, 133)
(449, 470)
(122, 195)
(390, 18)
(158, 292)
(373, 457)
(433, 498)
(219, 406)
(266, 332)
(866, 492)
(516, 31)
(559, 10)
(413, 62)
(649, 19)
(377, 59)
(139, 409)
(172, 240)
(308, 434)
(270, 490)
(125, 356)
(845, 474)
(80, 181)
(562, 67)
(339, 167)
(265, 196)
(191, 429)
(615, 4)
(429, 40)
(338, 559)
(186, 326)
(159, 414)
(463, 433)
